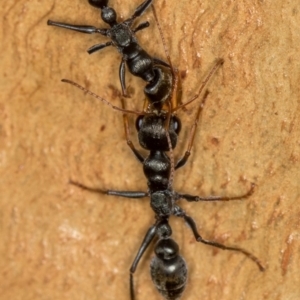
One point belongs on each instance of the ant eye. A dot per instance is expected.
(139, 122)
(176, 124)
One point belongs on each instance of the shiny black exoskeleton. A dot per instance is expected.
(157, 133)
(168, 269)
(152, 136)
(122, 36)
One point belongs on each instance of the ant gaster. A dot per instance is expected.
(122, 36)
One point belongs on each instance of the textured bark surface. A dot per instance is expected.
(60, 242)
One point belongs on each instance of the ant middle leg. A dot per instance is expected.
(141, 26)
(189, 220)
(124, 194)
(192, 198)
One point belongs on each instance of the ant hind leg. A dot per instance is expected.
(189, 220)
(145, 243)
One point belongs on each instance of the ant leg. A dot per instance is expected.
(122, 77)
(191, 198)
(98, 47)
(146, 242)
(125, 194)
(78, 28)
(137, 154)
(141, 26)
(180, 213)
(139, 10)
(160, 62)
(182, 161)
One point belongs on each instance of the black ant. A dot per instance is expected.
(122, 36)
(157, 133)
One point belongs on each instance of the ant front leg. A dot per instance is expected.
(139, 11)
(84, 29)
(79, 28)
(141, 26)
(180, 213)
(98, 47)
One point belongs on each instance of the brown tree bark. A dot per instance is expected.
(60, 242)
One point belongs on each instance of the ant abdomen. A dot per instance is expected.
(168, 269)
(159, 90)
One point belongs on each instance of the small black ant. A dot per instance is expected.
(122, 36)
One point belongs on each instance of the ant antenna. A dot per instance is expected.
(171, 177)
(163, 39)
(139, 113)
(173, 70)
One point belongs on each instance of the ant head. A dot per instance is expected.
(109, 15)
(98, 3)
(175, 123)
(152, 132)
